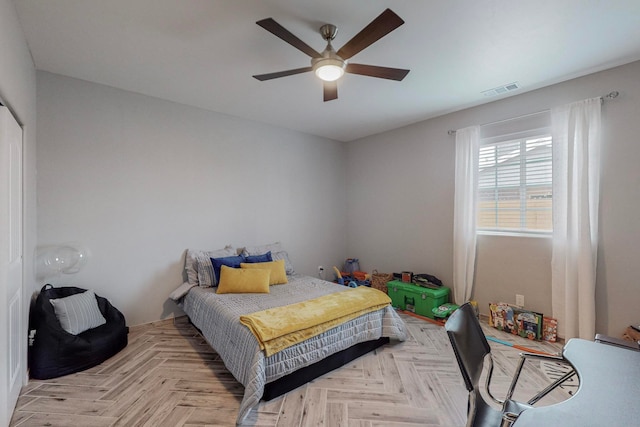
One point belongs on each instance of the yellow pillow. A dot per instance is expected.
(278, 272)
(239, 281)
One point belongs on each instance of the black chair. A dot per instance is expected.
(53, 352)
(472, 350)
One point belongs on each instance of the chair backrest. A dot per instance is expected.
(469, 344)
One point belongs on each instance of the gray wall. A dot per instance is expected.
(400, 211)
(138, 180)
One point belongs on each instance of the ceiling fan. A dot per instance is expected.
(331, 65)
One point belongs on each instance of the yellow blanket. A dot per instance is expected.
(281, 327)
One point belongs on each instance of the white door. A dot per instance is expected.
(13, 345)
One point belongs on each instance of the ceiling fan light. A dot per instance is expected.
(329, 73)
(329, 69)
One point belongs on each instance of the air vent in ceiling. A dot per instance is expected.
(501, 89)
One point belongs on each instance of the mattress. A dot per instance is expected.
(217, 317)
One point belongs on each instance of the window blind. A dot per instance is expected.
(515, 182)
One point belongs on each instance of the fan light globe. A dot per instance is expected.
(329, 69)
(66, 259)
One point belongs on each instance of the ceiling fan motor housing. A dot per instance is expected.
(328, 32)
(330, 66)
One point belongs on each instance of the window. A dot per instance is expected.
(515, 183)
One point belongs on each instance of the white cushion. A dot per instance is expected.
(79, 312)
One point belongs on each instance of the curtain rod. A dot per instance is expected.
(607, 97)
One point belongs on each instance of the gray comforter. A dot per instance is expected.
(217, 316)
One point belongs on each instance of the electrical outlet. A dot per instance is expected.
(320, 269)
(520, 300)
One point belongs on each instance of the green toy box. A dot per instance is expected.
(417, 299)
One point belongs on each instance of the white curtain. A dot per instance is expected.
(464, 214)
(576, 183)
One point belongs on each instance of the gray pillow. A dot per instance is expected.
(261, 249)
(79, 312)
(277, 253)
(288, 266)
(198, 266)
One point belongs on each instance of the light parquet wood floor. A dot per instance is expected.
(169, 376)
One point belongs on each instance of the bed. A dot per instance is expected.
(264, 377)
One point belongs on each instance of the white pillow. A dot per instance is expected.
(198, 266)
(79, 312)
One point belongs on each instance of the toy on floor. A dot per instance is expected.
(339, 278)
(443, 311)
(353, 280)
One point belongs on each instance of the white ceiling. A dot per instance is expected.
(204, 52)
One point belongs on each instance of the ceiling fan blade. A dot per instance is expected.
(278, 30)
(330, 91)
(386, 22)
(375, 71)
(278, 74)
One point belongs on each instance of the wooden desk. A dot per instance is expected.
(609, 391)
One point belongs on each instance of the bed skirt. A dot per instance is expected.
(304, 375)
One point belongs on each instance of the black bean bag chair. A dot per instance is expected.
(54, 352)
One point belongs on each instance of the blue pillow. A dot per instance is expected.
(259, 258)
(229, 261)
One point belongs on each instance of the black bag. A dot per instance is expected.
(53, 352)
(427, 281)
